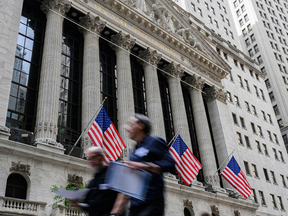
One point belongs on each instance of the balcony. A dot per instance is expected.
(65, 211)
(13, 206)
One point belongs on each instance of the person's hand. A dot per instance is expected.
(74, 203)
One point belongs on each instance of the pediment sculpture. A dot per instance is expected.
(186, 35)
(138, 4)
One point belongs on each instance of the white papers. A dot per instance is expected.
(127, 180)
(73, 195)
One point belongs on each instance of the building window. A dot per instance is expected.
(281, 156)
(266, 174)
(229, 97)
(254, 110)
(206, 5)
(247, 85)
(280, 203)
(193, 7)
(240, 81)
(216, 23)
(243, 8)
(241, 22)
(276, 139)
(242, 122)
(247, 142)
(230, 76)
(254, 169)
(16, 186)
(263, 115)
(253, 128)
(249, 27)
(275, 154)
(246, 165)
(236, 100)
(273, 177)
(258, 146)
(22, 106)
(273, 201)
(247, 42)
(253, 195)
(262, 94)
(247, 106)
(270, 136)
(283, 181)
(210, 19)
(260, 130)
(234, 118)
(267, 83)
(200, 12)
(239, 137)
(271, 95)
(276, 110)
(246, 18)
(265, 150)
(280, 123)
(166, 106)
(69, 110)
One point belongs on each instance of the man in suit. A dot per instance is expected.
(152, 155)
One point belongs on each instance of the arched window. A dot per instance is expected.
(186, 212)
(16, 186)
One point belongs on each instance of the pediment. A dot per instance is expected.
(177, 22)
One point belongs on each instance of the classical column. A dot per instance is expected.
(123, 45)
(224, 134)
(49, 88)
(177, 101)
(10, 19)
(91, 92)
(153, 98)
(202, 130)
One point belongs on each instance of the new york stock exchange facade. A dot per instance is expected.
(154, 59)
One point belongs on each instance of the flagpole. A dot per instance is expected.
(88, 125)
(171, 142)
(220, 166)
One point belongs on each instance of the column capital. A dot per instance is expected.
(123, 41)
(213, 93)
(174, 69)
(196, 81)
(149, 56)
(91, 23)
(60, 6)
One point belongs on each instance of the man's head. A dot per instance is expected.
(138, 126)
(95, 156)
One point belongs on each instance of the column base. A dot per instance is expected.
(49, 145)
(4, 132)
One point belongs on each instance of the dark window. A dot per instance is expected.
(69, 113)
(166, 106)
(108, 76)
(27, 66)
(16, 186)
(138, 86)
(190, 118)
(266, 174)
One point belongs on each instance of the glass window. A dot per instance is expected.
(273, 177)
(254, 169)
(283, 181)
(258, 146)
(22, 106)
(273, 200)
(266, 174)
(246, 165)
(253, 195)
(234, 118)
(247, 142)
(16, 186)
(265, 150)
(275, 154)
(239, 137)
(253, 127)
(236, 100)
(242, 122)
(280, 203)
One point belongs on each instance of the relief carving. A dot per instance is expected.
(138, 4)
(174, 69)
(60, 6)
(92, 23)
(151, 57)
(163, 17)
(237, 213)
(188, 204)
(188, 38)
(75, 180)
(196, 81)
(215, 210)
(18, 167)
(213, 93)
(123, 41)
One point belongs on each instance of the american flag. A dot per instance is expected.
(104, 134)
(187, 165)
(234, 175)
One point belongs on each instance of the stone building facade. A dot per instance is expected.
(60, 59)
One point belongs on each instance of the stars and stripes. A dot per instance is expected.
(234, 175)
(104, 134)
(187, 165)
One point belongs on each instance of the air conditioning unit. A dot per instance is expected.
(22, 136)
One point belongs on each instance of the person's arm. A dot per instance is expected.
(119, 204)
(147, 166)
